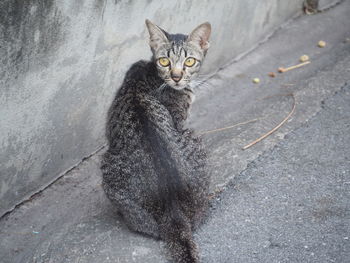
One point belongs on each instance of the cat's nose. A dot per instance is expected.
(176, 75)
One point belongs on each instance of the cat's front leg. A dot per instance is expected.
(180, 107)
(177, 103)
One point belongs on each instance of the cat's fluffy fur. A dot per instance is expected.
(154, 171)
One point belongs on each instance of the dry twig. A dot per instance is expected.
(232, 126)
(282, 70)
(277, 127)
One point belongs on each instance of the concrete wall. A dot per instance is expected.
(62, 61)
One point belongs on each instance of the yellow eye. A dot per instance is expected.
(190, 62)
(164, 62)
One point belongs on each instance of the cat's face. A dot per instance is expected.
(178, 57)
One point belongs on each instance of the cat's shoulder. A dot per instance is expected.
(139, 69)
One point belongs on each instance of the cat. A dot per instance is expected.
(310, 7)
(154, 170)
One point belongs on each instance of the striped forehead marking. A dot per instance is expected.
(177, 49)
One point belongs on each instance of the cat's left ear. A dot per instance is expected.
(200, 36)
(157, 35)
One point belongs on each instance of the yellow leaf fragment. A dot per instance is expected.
(256, 80)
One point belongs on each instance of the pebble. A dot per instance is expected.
(321, 43)
(272, 74)
(304, 58)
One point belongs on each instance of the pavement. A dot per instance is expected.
(292, 204)
(285, 199)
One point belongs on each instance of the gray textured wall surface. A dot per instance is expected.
(62, 62)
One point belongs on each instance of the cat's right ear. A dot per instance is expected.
(156, 34)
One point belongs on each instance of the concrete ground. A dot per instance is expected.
(286, 199)
(292, 204)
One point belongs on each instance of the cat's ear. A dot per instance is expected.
(200, 36)
(157, 35)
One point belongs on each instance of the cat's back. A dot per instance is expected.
(139, 77)
(129, 150)
(124, 116)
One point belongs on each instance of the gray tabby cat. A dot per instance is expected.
(154, 170)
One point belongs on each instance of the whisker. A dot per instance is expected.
(205, 76)
(162, 86)
(196, 84)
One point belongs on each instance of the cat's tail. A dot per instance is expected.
(169, 146)
(177, 234)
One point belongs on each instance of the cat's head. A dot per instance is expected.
(178, 57)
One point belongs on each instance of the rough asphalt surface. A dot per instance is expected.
(293, 203)
(290, 204)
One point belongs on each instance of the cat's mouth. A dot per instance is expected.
(177, 85)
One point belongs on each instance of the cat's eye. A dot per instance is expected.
(164, 62)
(190, 62)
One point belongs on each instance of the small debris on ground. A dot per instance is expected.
(272, 74)
(321, 43)
(278, 126)
(282, 70)
(256, 80)
(304, 58)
